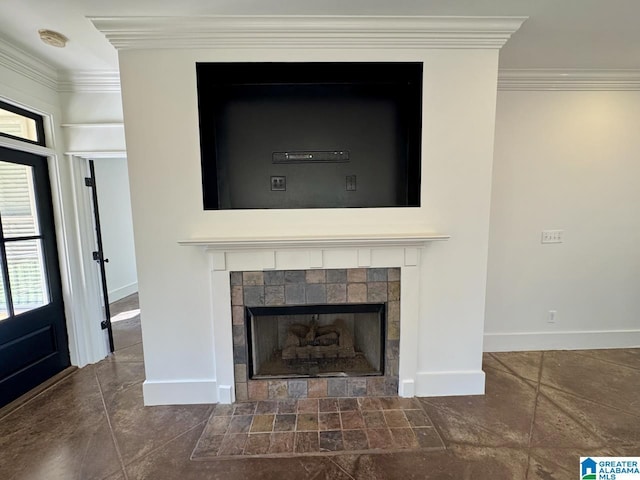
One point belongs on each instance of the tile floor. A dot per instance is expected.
(541, 412)
(314, 426)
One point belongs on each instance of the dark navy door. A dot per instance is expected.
(33, 335)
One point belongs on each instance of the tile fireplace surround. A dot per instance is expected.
(398, 258)
(307, 287)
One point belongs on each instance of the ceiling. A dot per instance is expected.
(566, 34)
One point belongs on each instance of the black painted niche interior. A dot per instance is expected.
(310, 135)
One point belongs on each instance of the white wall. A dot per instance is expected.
(112, 182)
(159, 87)
(569, 161)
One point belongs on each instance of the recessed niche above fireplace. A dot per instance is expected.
(310, 135)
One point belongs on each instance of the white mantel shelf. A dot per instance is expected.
(353, 241)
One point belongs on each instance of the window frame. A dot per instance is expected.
(25, 113)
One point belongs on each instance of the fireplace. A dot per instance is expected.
(315, 341)
(315, 333)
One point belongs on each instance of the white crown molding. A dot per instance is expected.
(27, 65)
(90, 81)
(320, 31)
(568, 80)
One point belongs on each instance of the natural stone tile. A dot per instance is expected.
(337, 387)
(297, 388)
(337, 275)
(217, 425)
(236, 278)
(222, 410)
(252, 278)
(316, 276)
(267, 406)
(396, 419)
(238, 335)
(274, 277)
(393, 274)
(233, 444)
(237, 296)
(328, 405)
(376, 275)
(329, 421)
(336, 293)
(240, 424)
(356, 387)
(245, 408)
(258, 390)
(207, 446)
(242, 393)
(278, 389)
(281, 442)
(374, 419)
(285, 422)
(253, 295)
(393, 292)
(355, 440)
(393, 330)
(369, 403)
(393, 311)
(257, 444)
(262, 423)
(391, 367)
(308, 405)
(393, 348)
(294, 294)
(240, 354)
(331, 441)
(307, 442)
(348, 404)
(307, 421)
(317, 388)
(316, 293)
(356, 275)
(356, 292)
(237, 315)
(240, 372)
(417, 418)
(274, 295)
(352, 420)
(287, 405)
(294, 276)
(376, 386)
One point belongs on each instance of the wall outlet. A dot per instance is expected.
(552, 236)
(278, 184)
(551, 318)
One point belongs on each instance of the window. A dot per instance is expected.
(21, 254)
(21, 124)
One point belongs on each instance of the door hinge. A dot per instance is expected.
(104, 325)
(88, 182)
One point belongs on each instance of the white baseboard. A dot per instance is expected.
(121, 292)
(439, 384)
(178, 392)
(513, 342)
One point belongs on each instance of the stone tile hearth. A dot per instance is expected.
(273, 428)
(315, 287)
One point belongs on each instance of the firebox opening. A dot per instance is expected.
(315, 340)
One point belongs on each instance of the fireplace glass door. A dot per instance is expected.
(315, 340)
